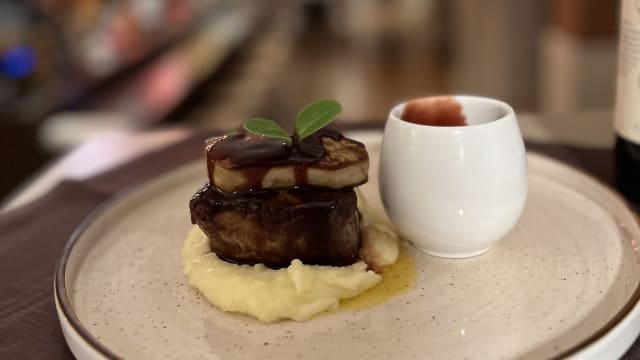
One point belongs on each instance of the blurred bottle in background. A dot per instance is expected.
(627, 115)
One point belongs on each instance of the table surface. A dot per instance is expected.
(592, 131)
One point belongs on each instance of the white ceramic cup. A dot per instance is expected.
(454, 191)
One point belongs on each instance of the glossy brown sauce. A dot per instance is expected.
(301, 174)
(434, 111)
(254, 175)
(256, 154)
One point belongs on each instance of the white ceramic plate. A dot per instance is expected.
(564, 282)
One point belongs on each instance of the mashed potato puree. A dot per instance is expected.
(297, 292)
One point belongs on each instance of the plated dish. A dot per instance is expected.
(279, 232)
(563, 282)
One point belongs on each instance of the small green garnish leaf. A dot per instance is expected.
(266, 127)
(315, 116)
(310, 119)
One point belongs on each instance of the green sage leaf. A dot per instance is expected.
(266, 127)
(315, 116)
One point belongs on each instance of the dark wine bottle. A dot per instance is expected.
(628, 170)
(627, 114)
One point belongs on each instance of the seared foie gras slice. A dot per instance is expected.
(273, 227)
(249, 161)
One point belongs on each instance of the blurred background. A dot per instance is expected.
(71, 70)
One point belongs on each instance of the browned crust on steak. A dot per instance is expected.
(273, 227)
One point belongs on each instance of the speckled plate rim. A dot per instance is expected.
(617, 335)
(82, 343)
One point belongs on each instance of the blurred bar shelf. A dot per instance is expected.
(215, 27)
(149, 94)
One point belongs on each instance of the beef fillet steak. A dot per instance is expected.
(316, 225)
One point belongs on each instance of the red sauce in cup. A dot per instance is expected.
(434, 111)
